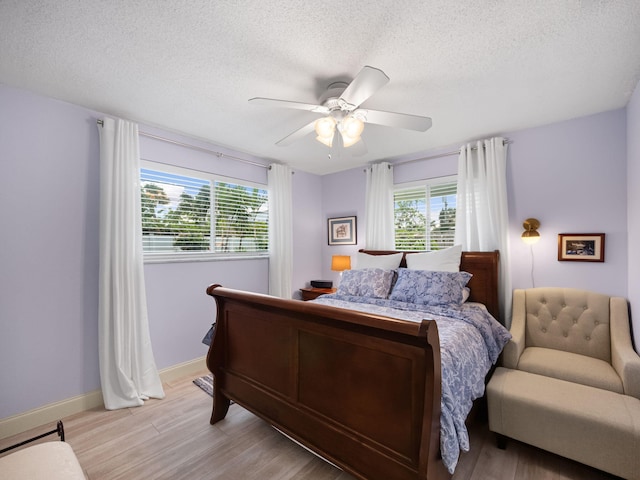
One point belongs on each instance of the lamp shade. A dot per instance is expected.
(340, 263)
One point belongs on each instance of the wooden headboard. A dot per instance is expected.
(484, 268)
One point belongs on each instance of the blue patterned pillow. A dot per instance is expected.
(368, 282)
(425, 287)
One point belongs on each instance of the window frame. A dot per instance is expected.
(424, 183)
(209, 255)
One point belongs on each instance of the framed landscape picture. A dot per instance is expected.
(581, 247)
(342, 231)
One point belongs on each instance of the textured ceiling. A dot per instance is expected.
(477, 68)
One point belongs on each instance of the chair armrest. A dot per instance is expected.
(624, 358)
(513, 349)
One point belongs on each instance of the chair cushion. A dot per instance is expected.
(570, 367)
(570, 320)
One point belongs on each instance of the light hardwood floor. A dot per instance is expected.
(172, 439)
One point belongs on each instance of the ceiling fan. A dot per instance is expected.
(341, 112)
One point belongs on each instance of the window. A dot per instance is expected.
(187, 212)
(425, 214)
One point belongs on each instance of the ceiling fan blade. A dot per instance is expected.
(398, 120)
(272, 102)
(297, 135)
(366, 83)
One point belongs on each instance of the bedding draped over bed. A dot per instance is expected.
(470, 342)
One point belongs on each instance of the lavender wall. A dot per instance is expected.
(342, 196)
(309, 233)
(180, 312)
(633, 209)
(49, 261)
(49, 251)
(444, 165)
(570, 175)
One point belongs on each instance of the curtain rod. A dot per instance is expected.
(439, 155)
(193, 147)
(446, 154)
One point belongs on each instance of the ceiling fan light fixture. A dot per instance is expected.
(325, 127)
(348, 141)
(352, 127)
(328, 141)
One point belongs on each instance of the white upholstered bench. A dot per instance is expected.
(45, 461)
(593, 426)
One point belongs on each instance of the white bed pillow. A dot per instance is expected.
(385, 262)
(446, 260)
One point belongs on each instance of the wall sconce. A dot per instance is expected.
(340, 263)
(530, 234)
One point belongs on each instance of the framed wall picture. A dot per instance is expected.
(581, 247)
(342, 231)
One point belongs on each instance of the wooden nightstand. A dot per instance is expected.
(312, 293)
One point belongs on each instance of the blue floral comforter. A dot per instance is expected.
(470, 342)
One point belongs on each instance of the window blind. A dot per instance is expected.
(425, 216)
(187, 212)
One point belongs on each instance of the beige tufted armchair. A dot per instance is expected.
(574, 335)
(570, 379)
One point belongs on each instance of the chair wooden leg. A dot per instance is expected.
(501, 441)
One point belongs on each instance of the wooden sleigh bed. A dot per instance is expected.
(361, 390)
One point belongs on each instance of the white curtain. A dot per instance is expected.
(379, 221)
(280, 230)
(128, 372)
(482, 220)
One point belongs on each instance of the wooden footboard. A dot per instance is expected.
(361, 390)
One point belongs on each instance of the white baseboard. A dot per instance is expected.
(185, 369)
(50, 413)
(55, 411)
